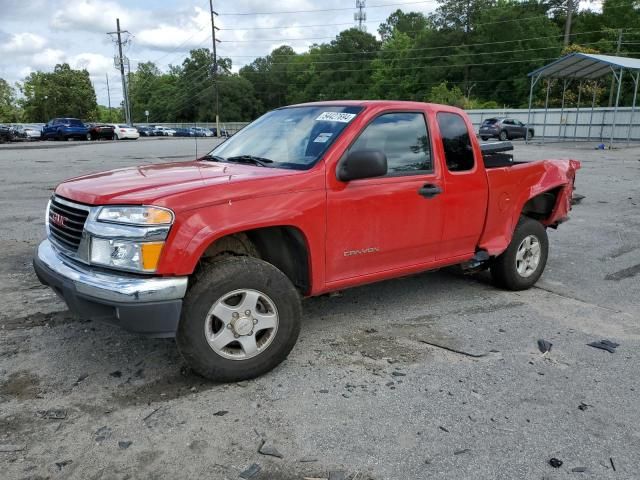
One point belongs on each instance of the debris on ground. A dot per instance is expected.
(607, 345)
(396, 373)
(544, 346)
(221, 413)
(116, 374)
(308, 459)
(555, 463)
(583, 406)
(102, 434)
(80, 379)
(12, 448)
(251, 472)
(579, 469)
(53, 414)
(612, 464)
(370, 330)
(460, 452)
(443, 429)
(577, 198)
(63, 464)
(266, 448)
(454, 350)
(124, 444)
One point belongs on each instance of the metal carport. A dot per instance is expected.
(584, 67)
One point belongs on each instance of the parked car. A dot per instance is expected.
(64, 129)
(223, 132)
(99, 131)
(163, 131)
(27, 132)
(201, 132)
(504, 129)
(145, 131)
(358, 191)
(182, 132)
(125, 132)
(7, 133)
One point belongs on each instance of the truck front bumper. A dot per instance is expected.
(146, 305)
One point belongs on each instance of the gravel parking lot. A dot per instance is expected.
(361, 395)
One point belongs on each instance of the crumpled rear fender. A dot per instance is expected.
(510, 188)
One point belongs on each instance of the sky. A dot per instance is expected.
(38, 34)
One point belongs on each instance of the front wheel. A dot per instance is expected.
(520, 266)
(503, 136)
(88, 137)
(484, 139)
(240, 319)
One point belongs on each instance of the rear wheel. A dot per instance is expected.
(503, 135)
(520, 266)
(484, 139)
(240, 319)
(530, 134)
(88, 136)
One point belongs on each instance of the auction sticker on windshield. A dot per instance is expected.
(336, 117)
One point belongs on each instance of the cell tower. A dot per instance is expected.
(361, 16)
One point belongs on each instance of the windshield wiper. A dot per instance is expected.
(215, 158)
(263, 162)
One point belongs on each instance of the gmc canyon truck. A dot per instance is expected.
(306, 200)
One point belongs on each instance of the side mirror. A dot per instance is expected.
(362, 164)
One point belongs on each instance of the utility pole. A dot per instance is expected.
(215, 64)
(108, 95)
(361, 16)
(120, 64)
(613, 75)
(567, 25)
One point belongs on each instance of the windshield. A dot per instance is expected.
(294, 137)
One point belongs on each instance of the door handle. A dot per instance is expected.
(429, 190)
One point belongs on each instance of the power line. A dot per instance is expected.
(321, 9)
(500, 42)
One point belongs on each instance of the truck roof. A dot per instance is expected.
(374, 103)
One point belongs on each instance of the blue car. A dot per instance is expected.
(64, 129)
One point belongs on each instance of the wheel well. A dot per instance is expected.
(284, 247)
(541, 206)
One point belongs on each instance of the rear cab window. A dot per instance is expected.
(456, 142)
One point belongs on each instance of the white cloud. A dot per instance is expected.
(23, 44)
(94, 16)
(47, 58)
(190, 30)
(95, 63)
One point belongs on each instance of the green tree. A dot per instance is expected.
(65, 92)
(411, 24)
(9, 111)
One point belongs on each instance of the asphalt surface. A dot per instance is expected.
(361, 395)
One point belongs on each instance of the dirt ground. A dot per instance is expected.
(364, 394)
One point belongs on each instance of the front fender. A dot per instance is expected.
(196, 230)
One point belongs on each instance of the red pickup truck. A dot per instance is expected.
(306, 200)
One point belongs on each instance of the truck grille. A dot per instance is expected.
(66, 223)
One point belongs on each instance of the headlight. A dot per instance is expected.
(136, 215)
(126, 254)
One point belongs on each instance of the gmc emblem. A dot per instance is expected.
(58, 219)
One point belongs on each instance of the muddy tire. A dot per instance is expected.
(240, 318)
(520, 266)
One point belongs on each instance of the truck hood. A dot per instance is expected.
(155, 184)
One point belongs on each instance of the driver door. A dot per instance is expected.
(392, 222)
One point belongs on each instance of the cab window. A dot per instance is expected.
(458, 151)
(404, 139)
